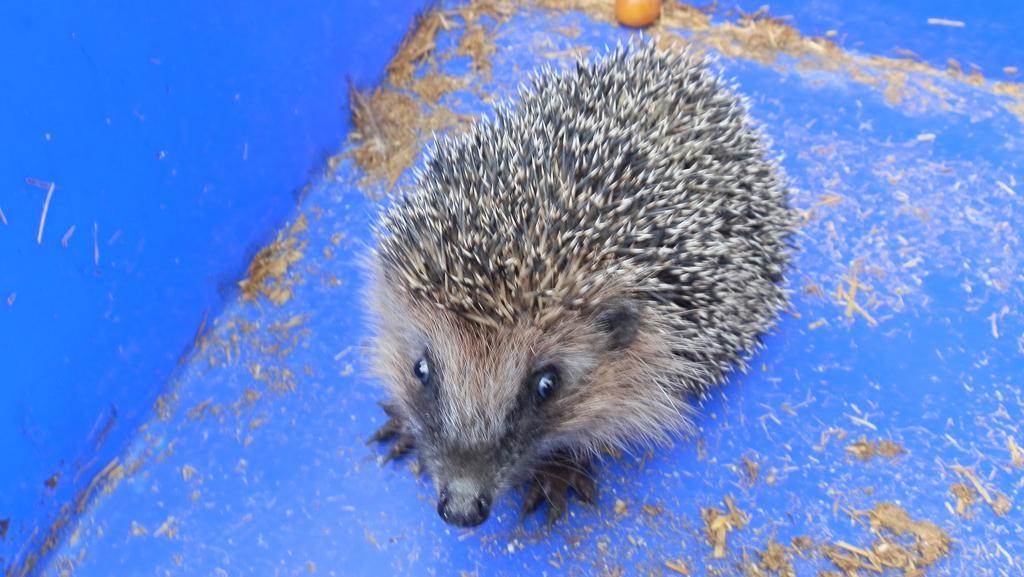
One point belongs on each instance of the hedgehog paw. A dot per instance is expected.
(393, 431)
(552, 482)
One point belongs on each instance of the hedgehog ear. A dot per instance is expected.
(620, 321)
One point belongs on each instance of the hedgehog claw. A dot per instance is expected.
(392, 430)
(586, 489)
(402, 446)
(551, 484)
(534, 497)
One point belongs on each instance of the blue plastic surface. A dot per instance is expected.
(178, 136)
(255, 462)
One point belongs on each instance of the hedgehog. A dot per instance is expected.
(572, 274)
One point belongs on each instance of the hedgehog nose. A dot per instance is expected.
(463, 509)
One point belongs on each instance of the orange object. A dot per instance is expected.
(637, 13)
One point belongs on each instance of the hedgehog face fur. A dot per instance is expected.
(570, 274)
(486, 405)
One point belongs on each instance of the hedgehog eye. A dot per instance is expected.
(422, 370)
(545, 382)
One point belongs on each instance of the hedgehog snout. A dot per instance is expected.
(464, 503)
